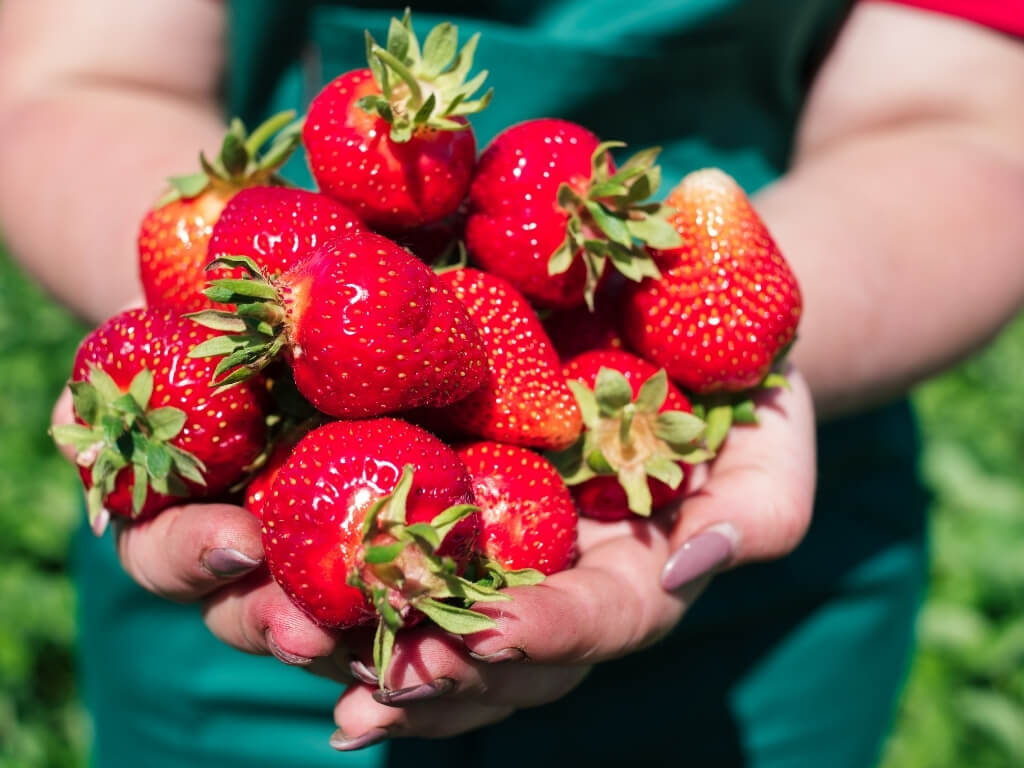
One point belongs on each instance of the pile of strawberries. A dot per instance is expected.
(415, 439)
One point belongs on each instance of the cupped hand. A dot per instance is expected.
(633, 582)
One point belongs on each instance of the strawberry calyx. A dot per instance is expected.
(254, 333)
(609, 222)
(401, 572)
(120, 430)
(724, 409)
(239, 163)
(630, 439)
(423, 88)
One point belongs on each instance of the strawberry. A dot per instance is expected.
(547, 212)
(578, 329)
(367, 329)
(277, 227)
(727, 304)
(528, 516)
(148, 432)
(174, 236)
(392, 141)
(524, 399)
(374, 519)
(259, 485)
(640, 434)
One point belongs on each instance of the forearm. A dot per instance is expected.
(909, 247)
(70, 208)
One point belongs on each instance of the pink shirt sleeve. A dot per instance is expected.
(1003, 15)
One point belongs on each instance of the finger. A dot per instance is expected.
(609, 605)
(756, 502)
(188, 551)
(429, 663)
(255, 615)
(362, 721)
(64, 413)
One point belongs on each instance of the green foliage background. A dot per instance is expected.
(964, 705)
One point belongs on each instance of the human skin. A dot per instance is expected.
(908, 175)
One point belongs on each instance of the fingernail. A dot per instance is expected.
(363, 673)
(505, 654)
(432, 690)
(227, 562)
(699, 556)
(343, 743)
(282, 655)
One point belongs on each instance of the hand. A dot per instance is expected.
(631, 585)
(213, 554)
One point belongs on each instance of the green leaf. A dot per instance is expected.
(218, 321)
(599, 159)
(655, 232)
(678, 427)
(77, 436)
(607, 189)
(719, 422)
(562, 258)
(425, 111)
(233, 154)
(158, 460)
(383, 648)
(611, 225)
(384, 553)
(652, 393)
(425, 536)
(449, 518)
(113, 427)
(523, 577)
(86, 401)
(187, 465)
(744, 412)
(773, 380)
(250, 287)
(638, 493)
(474, 592)
(165, 423)
(459, 621)
(106, 388)
(587, 402)
(598, 463)
(188, 186)
(126, 404)
(664, 469)
(217, 346)
(394, 511)
(283, 124)
(140, 485)
(439, 48)
(612, 391)
(399, 39)
(141, 388)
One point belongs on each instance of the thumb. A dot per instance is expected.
(756, 503)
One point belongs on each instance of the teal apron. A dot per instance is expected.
(789, 664)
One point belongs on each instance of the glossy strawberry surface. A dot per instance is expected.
(528, 516)
(173, 247)
(515, 223)
(372, 330)
(313, 515)
(727, 303)
(390, 185)
(524, 399)
(225, 430)
(277, 227)
(603, 497)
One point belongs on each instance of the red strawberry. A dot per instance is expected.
(524, 399)
(367, 328)
(148, 431)
(640, 433)
(548, 211)
(277, 227)
(727, 304)
(578, 330)
(392, 141)
(174, 237)
(528, 515)
(372, 518)
(259, 486)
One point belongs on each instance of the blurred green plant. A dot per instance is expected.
(964, 704)
(41, 723)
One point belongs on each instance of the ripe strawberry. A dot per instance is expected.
(524, 399)
(277, 227)
(374, 518)
(366, 327)
(148, 432)
(578, 330)
(391, 141)
(528, 516)
(727, 304)
(175, 234)
(547, 212)
(258, 488)
(640, 433)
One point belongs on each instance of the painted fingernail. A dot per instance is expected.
(698, 557)
(505, 654)
(343, 743)
(222, 561)
(363, 673)
(292, 659)
(432, 690)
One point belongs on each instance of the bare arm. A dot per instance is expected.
(904, 212)
(100, 101)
